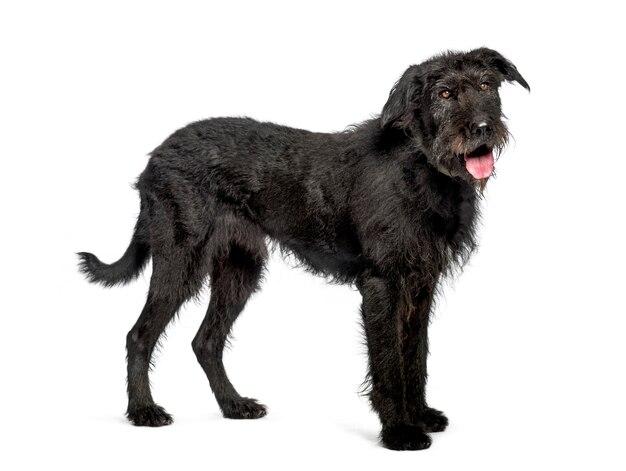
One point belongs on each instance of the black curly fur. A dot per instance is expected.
(387, 205)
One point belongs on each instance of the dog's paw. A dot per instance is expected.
(404, 437)
(432, 420)
(244, 408)
(149, 416)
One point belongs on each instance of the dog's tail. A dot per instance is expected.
(126, 268)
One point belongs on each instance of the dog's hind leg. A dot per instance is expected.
(236, 270)
(176, 276)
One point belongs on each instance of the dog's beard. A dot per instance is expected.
(470, 159)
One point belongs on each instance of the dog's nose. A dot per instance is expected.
(480, 129)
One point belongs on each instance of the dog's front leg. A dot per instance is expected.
(414, 356)
(383, 329)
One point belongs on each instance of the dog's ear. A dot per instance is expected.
(400, 108)
(504, 66)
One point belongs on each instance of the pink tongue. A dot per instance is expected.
(481, 166)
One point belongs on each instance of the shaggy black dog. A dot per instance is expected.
(389, 205)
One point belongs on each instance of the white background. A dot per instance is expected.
(527, 345)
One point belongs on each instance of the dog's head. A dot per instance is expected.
(450, 107)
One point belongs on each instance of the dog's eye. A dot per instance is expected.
(445, 94)
(485, 86)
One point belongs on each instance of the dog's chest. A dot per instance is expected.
(447, 223)
(451, 214)
(443, 219)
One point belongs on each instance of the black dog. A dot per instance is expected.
(390, 205)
